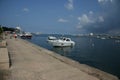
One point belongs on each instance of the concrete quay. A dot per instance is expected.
(31, 62)
(4, 58)
(4, 61)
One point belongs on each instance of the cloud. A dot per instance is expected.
(62, 20)
(25, 9)
(101, 19)
(91, 12)
(105, 1)
(69, 5)
(111, 13)
(106, 21)
(89, 20)
(84, 19)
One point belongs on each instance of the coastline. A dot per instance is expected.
(102, 75)
(83, 68)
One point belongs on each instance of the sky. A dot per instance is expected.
(62, 16)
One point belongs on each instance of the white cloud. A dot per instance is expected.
(105, 1)
(69, 5)
(101, 19)
(62, 20)
(85, 19)
(101, 1)
(88, 19)
(91, 12)
(25, 9)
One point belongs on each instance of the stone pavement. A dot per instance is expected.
(31, 63)
(4, 58)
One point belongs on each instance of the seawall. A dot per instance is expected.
(82, 67)
(32, 62)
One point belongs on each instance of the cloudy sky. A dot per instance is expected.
(62, 16)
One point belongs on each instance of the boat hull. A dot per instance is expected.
(61, 44)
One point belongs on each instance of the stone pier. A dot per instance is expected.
(31, 62)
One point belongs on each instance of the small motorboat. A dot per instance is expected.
(63, 42)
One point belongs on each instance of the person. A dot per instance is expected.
(15, 36)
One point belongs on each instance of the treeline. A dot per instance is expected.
(4, 28)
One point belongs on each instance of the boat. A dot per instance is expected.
(51, 39)
(103, 38)
(63, 42)
(26, 35)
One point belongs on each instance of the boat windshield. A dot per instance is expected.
(52, 38)
(67, 39)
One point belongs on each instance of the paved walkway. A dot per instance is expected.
(30, 63)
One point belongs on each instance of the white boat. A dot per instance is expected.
(26, 35)
(51, 39)
(103, 38)
(61, 42)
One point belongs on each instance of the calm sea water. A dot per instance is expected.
(103, 54)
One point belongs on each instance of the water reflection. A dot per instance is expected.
(63, 50)
(91, 42)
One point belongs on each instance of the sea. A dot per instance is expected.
(103, 54)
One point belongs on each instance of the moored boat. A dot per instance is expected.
(63, 42)
(51, 39)
(26, 35)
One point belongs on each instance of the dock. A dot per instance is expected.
(31, 62)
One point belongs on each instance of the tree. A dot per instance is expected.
(8, 29)
(1, 30)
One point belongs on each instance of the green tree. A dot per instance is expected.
(1, 30)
